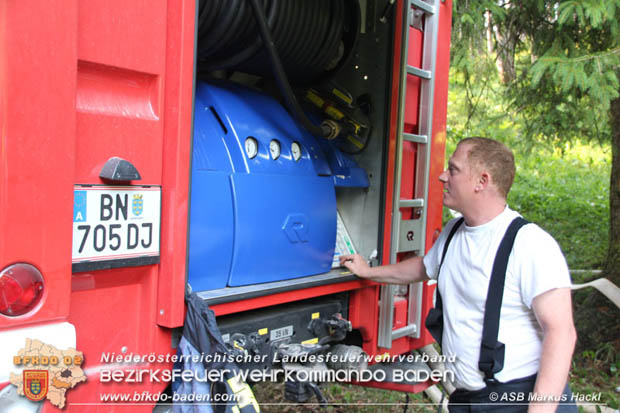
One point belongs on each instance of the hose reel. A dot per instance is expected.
(314, 38)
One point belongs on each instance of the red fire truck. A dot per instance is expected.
(146, 151)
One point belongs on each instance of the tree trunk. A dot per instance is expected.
(506, 43)
(612, 265)
(488, 23)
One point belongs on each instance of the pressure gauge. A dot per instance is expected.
(296, 151)
(274, 148)
(251, 147)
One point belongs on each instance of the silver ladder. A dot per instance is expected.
(409, 235)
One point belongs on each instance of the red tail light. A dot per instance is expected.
(21, 289)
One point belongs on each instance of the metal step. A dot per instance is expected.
(424, 6)
(416, 71)
(411, 203)
(410, 137)
(404, 331)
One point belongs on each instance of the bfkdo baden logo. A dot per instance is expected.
(35, 384)
(48, 372)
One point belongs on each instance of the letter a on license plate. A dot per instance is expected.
(115, 226)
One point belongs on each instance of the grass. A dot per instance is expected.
(567, 194)
(595, 371)
(343, 398)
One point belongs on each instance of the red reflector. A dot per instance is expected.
(21, 289)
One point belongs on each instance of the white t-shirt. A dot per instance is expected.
(535, 265)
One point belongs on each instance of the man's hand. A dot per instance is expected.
(356, 264)
(405, 272)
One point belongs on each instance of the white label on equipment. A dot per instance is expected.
(280, 333)
(115, 222)
(344, 245)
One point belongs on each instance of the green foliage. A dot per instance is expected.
(587, 377)
(477, 108)
(566, 193)
(567, 66)
(565, 56)
(586, 76)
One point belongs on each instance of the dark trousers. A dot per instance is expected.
(510, 397)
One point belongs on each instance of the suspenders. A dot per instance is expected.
(491, 351)
(434, 320)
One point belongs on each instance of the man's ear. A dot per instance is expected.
(483, 181)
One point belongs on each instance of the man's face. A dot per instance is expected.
(458, 180)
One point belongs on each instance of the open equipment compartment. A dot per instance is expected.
(266, 193)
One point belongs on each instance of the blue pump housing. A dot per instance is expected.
(255, 220)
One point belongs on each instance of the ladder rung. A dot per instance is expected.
(404, 331)
(422, 5)
(415, 138)
(411, 203)
(416, 71)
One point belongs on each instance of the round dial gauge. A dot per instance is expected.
(296, 151)
(251, 147)
(274, 148)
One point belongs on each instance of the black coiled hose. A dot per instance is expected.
(313, 38)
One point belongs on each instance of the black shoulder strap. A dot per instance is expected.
(457, 224)
(492, 351)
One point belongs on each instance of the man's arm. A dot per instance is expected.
(554, 312)
(405, 272)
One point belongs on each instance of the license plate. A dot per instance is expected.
(115, 226)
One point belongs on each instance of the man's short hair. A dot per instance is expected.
(495, 157)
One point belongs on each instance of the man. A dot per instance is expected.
(536, 323)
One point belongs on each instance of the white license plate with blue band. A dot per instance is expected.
(115, 226)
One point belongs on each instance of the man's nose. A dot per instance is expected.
(443, 177)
